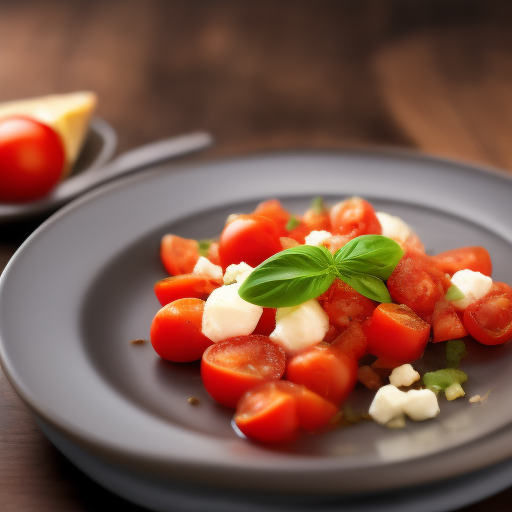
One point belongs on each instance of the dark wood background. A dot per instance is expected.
(432, 76)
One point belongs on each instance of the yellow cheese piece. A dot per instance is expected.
(68, 114)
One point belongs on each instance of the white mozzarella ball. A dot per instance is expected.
(206, 267)
(403, 375)
(473, 285)
(317, 237)
(393, 227)
(420, 404)
(387, 404)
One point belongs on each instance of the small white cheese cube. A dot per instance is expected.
(393, 227)
(317, 237)
(403, 375)
(206, 267)
(301, 326)
(387, 404)
(234, 270)
(226, 314)
(420, 404)
(473, 285)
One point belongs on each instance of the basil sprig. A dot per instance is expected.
(300, 273)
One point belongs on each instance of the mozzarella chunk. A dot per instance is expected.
(206, 267)
(387, 404)
(234, 270)
(420, 404)
(473, 285)
(226, 314)
(301, 326)
(393, 227)
(317, 237)
(403, 375)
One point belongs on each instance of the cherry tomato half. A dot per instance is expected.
(232, 366)
(354, 217)
(472, 258)
(273, 209)
(31, 159)
(176, 331)
(249, 238)
(184, 286)
(179, 255)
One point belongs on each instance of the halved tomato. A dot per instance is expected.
(183, 286)
(354, 217)
(179, 255)
(472, 258)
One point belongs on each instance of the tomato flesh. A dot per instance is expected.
(178, 255)
(354, 217)
(176, 331)
(472, 258)
(446, 324)
(183, 286)
(232, 366)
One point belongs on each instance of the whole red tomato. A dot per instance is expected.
(31, 159)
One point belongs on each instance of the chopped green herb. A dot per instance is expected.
(455, 351)
(204, 246)
(292, 223)
(448, 380)
(453, 293)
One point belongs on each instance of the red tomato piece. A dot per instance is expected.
(343, 304)
(446, 324)
(369, 378)
(213, 253)
(299, 233)
(268, 414)
(352, 342)
(176, 331)
(179, 255)
(489, 319)
(417, 283)
(266, 323)
(32, 159)
(330, 375)
(395, 332)
(273, 209)
(354, 217)
(183, 286)
(314, 411)
(472, 258)
(232, 366)
(249, 238)
(317, 219)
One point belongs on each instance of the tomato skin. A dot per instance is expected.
(343, 304)
(266, 323)
(352, 342)
(32, 159)
(330, 375)
(176, 331)
(446, 324)
(232, 366)
(354, 217)
(178, 255)
(418, 284)
(249, 238)
(317, 220)
(472, 258)
(197, 286)
(396, 333)
(489, 319)
(273, 209)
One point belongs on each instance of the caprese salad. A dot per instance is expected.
(288, 313)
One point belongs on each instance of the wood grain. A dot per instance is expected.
(428, 75)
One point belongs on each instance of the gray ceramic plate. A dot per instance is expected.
(80, 289)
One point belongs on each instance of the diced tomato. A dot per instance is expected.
(331, 375)
(314, 411)
(396, 332)
(273, 209)
(446, 324)
(417, 283)
(489, 319)
(232, 366)
(249, 238)
(472, 258)
(343, 304)
(179, 255)
(369, 378)
(183, 286)
(333, 243)
(299, 233)
(176, 331)
(266, 323)
(352, 342)
(354, 217)
(317, 218)
(213, 253)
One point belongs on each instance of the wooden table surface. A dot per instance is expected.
(430, 76)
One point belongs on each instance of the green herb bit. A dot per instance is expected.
(204, 246)
(293, 222)
(448, 380)
(318, 205)
(455, 351)
(454, 293)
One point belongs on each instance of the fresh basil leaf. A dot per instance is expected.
(290, 277)
(454, 293)
(370, 286)
(293, 222)
(376, 255)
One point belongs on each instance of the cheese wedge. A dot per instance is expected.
(68, 114)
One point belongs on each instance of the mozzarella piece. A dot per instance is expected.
(420, 404)
(234, 270)
(473, 285)
(206, 267)
(301, 326)
(387, 404)
(317, 237)
(68, 114)
(403, 375)
(226, 314)
(393, 227)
